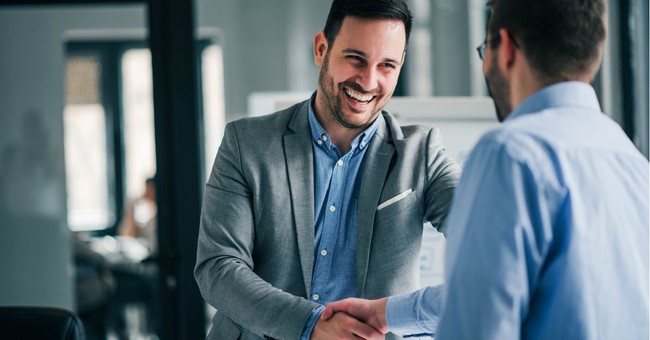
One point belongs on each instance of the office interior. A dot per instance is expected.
(98, 96)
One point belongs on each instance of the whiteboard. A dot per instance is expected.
(461, 120)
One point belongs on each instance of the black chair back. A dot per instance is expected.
(41, 323)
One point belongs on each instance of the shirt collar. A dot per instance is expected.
(570, 93)
(318, 133)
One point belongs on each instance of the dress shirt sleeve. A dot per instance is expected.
(416, 313)
(499, 232)
(311, 322)
(443, 174)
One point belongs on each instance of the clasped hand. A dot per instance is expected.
(352, 319)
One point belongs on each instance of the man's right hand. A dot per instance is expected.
(343, 326)
(372, 312)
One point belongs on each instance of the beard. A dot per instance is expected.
(499, 90)
(332, 101)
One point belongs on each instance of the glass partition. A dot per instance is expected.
(62, 172)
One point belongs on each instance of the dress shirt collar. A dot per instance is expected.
(564, 94)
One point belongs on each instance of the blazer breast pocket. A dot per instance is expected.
(395, 204)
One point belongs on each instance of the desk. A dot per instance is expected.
(133, 307)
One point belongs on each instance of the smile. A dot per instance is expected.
(363, 98)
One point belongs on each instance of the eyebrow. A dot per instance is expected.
(363, 54)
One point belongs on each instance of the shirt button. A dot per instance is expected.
(340, 162)
(319, 142)
(323, 252)
(332, 208)
(315, 297)
(324, 138)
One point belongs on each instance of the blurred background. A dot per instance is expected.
(111, 114)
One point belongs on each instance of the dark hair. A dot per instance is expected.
(562, 39)
(367, 9)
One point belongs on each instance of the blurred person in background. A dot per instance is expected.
(139, 220)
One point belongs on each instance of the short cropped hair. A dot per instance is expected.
(367, 9)
(562, 39)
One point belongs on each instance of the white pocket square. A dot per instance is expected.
(394, 199)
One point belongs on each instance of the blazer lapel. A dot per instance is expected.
(299, 160)
(375, 168)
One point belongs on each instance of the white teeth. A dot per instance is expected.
(358, 96)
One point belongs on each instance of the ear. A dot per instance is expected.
(320, 48)
(508, 52)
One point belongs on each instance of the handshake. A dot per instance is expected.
(352, 318)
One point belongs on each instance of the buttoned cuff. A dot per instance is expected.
(403, 318)
(311, 322)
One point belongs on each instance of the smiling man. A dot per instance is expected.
(358, 76)
(326, 199)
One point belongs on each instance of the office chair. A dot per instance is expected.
(41, 323)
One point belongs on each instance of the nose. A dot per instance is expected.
(368, 78)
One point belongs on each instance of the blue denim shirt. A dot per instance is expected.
(336, 195)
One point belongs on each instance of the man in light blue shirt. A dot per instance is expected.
(548, 234)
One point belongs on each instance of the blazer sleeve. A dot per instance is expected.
(224, 268)
(443, 175)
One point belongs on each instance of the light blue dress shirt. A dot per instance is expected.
(336, 195)
(548, 232)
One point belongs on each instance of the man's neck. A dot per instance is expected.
(526, 82)
(340, 136)
(520, 90)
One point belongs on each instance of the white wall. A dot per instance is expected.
(35, 249)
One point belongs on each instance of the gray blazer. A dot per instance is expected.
(256, 240)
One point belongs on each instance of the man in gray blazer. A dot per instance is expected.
(326, 199)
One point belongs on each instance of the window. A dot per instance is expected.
(137, 106)
(212, 92)
(85, 145)
(109, 125)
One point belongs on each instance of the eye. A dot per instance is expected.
(355, 58)
(388, 65)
